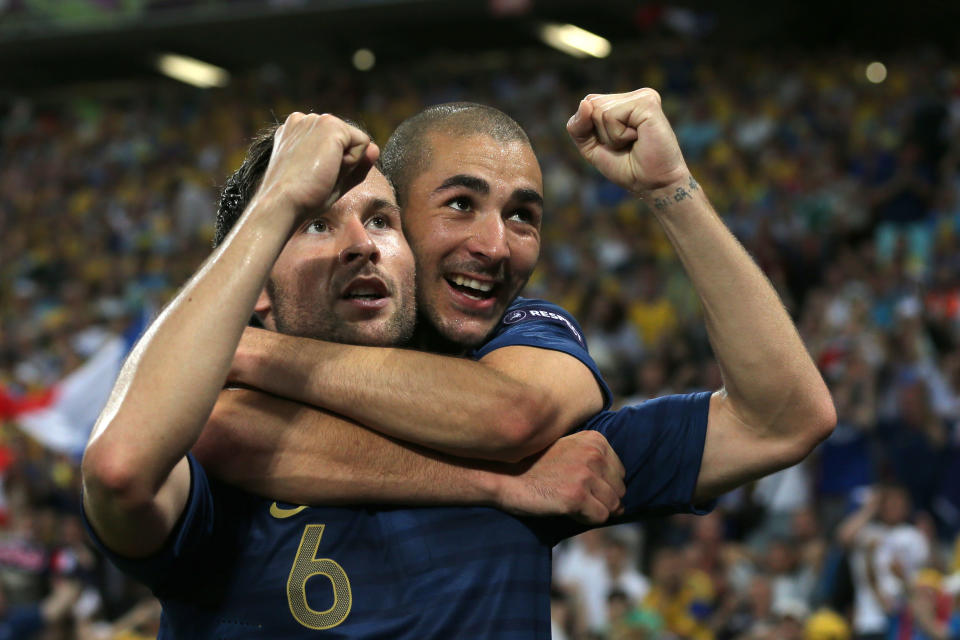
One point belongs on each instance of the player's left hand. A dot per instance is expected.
(627, 137)
(579, 476)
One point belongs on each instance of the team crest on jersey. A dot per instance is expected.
(528, 314)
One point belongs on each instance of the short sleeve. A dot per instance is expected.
(541, 324)
(190, 535)
(660, 444)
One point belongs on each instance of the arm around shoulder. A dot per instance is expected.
(514, 402)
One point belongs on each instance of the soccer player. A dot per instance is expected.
(469, 188)
(228, 564)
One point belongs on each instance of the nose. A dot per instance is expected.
(357, 244)
(488, 241)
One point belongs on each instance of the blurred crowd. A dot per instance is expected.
(844, 191)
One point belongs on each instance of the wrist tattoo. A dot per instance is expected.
(680, 193)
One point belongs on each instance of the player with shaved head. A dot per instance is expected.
(470, 191)
(317, 250)
(472, 210)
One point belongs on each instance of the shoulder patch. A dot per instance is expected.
(514, 316)
(528, 314)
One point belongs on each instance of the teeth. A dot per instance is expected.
(473, 284)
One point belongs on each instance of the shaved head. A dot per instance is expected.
(408, 151)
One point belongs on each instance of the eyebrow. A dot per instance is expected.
(525, 196)
(462, 180)
(378, 204)
(528, 196)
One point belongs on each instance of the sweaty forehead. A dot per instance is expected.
(375, 186)
(511, 161)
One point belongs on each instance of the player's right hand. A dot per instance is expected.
(316, 158)
(579, 476)
(627, 137)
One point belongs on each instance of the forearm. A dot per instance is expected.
(171, 379)
(453, 405)
(298, 454)
(768, 375)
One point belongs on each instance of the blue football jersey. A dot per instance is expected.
(242, 566)
(537, 323)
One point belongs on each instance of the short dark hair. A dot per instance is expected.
(407, 153)
(243, 183)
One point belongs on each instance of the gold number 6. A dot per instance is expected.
(306, 565)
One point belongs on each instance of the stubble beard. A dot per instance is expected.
(293, 320)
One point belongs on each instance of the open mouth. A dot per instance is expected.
(365, 289)
(473, 288)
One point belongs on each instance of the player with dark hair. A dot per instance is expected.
(324, 227)
(472, 215)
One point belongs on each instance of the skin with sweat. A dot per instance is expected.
(473, 219)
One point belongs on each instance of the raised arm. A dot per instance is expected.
(298, 454)
(774, 407)
(502, 407)
(135, 474)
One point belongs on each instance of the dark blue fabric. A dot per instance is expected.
(537, 323)
(21, 622)
(441, 573)
(660, 443)
(414, 573)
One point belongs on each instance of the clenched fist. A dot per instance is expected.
(315, 159)
(627, 137)
(578, 476)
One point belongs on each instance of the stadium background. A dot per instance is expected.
(844, 188)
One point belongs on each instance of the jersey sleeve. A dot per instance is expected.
(190, 535)
(541, 324)
(660, 444)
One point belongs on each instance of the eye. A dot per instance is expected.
(379, 222)
(460, 203)
(317, 226)
(523, 215)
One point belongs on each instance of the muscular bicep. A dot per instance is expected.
(736, 452)
(566, 383)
